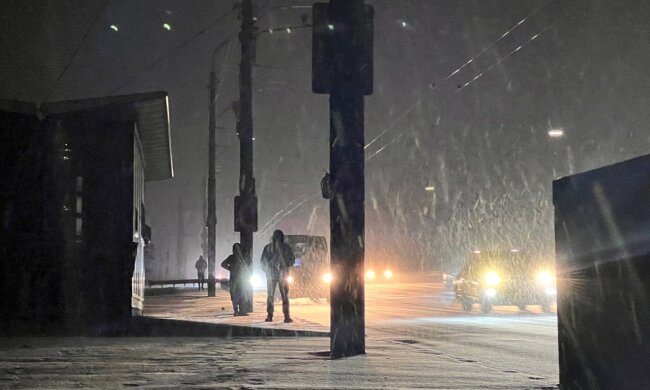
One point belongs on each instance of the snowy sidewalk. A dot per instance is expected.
(241, 363)
(196, 306)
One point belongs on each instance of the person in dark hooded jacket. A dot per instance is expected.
(277, 257)
(236, 265)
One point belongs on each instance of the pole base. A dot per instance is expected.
(212, 288)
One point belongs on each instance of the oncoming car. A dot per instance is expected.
(378, 272)
(310, 276)
(504, 278)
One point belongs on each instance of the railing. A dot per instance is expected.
(174, 282)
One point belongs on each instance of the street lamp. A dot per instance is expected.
(556, 133)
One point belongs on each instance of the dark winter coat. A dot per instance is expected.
(276, 263)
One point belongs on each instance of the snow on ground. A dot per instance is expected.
(250, 363)
(417, 337)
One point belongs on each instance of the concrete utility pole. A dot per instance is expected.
(246, 202)
(211, 220)
(342, 61)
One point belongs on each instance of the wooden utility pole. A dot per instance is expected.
(342, 67)
(246, 202)
(211, 220)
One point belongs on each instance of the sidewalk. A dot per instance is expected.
(196, 306)
(242, 363)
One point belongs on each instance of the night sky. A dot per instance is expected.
(478, 139)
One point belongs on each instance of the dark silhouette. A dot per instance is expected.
(277, 257)
(236, 265)
(200, 266)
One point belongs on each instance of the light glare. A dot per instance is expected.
(492, 278)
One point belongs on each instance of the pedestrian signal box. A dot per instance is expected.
(245, 213)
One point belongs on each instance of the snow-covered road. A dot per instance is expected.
(417, 338)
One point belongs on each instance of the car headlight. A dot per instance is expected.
(327, 278)
(492, 279)
(388, 274)
(370, 275)
(490, 292)
(256, 281)
(545, 278)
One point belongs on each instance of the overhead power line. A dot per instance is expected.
(176, 49)
(475, 78)
(460, 68)
(83, 40)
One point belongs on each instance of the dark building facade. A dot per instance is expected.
(73, 209)
(602, 237)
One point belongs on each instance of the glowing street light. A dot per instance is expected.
(556, 133)
(167, 26)
(114, 27)
(330, 27)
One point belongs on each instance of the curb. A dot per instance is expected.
(159, 327)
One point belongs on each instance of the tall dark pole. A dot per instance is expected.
(211, 221)
(347, 217)
(248, 206)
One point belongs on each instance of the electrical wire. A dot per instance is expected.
(475, 78)
(177, 48)
(83, 40)
(460, 68)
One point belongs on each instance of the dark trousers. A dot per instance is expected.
(270, 295)
(201, 277)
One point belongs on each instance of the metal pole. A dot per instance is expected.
(211, 221)
(245, 129)
(347, 218)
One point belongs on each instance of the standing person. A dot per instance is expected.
(236, 265)
(200, 266)
(277, 257)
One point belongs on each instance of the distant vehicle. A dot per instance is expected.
(504, 278)
(378, 273)
(310, 276)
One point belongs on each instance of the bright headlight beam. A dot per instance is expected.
(327, 278)
(545, 278)
(492, 278)
(388, 274)
(370, 275)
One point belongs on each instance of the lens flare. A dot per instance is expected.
(289, 279)
(545, 278)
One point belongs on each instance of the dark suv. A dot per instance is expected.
(504, 278)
